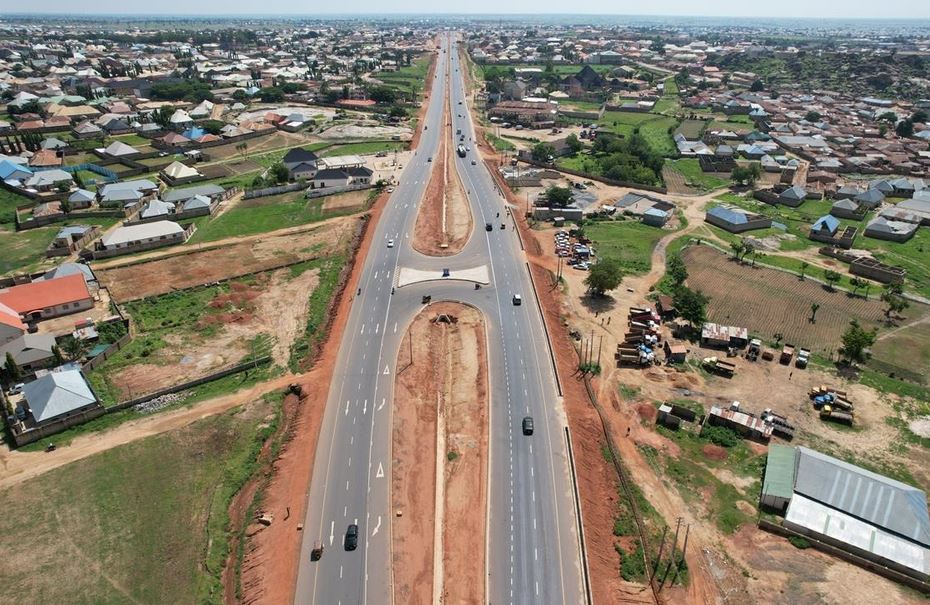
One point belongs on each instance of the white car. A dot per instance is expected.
(390, 190)
(390, 243)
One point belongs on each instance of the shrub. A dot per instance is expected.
(720, 435)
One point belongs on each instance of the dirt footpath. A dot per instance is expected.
(444, 221)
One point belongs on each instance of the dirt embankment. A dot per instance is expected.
(440, 432)
(269, 570)
(444, 221)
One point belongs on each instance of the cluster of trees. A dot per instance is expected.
(187, 90)
(25, 141)
(275, 175)
(747, 175)
(628, 159)
(691, 305)
(558, 197)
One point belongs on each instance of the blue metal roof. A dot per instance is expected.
(729, 215)
(828, 222)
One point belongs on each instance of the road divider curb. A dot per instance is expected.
(555, 367)
(576, 496)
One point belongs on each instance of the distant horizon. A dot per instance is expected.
(535, 13)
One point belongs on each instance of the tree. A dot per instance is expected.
(920, 117)
(558, 196)
(856, 340)
(279, 173)
(13, 373)
(905, 128)
(59, 356)
(889, 116)
(893, 297)
(832, 278)
(757, 86)
(382, 95)
(856, 283)
(691, 305)
(737, 248)
(73, 348)
(804, 266)
(813, 116)
(676, 270)
(162, 116)
(604, 276)
(272, 94)
(814, 308)
(573, 144)
(543, 152)
(746, 174)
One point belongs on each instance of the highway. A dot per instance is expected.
(532, 541)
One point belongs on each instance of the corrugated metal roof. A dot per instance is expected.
(884, 502)
(779, 471)
(824, 520)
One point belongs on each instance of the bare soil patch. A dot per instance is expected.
(222, 262)
(444, 221)
(349, 200)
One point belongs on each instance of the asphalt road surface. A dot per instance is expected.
(533, 554)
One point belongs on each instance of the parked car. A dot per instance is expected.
(16, 389)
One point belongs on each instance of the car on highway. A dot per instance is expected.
(351, 540)
(488, 227)
(528, 425)
(473, 162)
(517, 300)
(429, 159)
(390, 190)
(390, 243)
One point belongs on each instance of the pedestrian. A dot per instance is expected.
(790, 374)
(627, 431)
(608, 319)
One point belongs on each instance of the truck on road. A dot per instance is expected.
(460, 150)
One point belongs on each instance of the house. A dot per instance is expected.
(884, 228)
(736, 220)
(123, 192)
(119, 149)
(14, 173)
(68, 239)
(53, 402)
(87, 130)
(793, 196)
(45, 180)
(176, 172)
(919, 207)
(49, 298)
(180, 119)
(81, 198)
(182, 195)
(198, 205)
(746, 425)
(847, 507)
(300, 163)
(827, 230)
(30, 352)
(675, 352)
(655, 217)
(156, 209)
(11, 326)
(133, 238)
(359, 176)
(848, 208)
(870, 198)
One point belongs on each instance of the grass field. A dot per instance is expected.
(630, 242)
(411, 78)
(20, 251)
(690, 168)
(653, 127)
(658, 134)
(692, 129)
(8, 203)
(260, 215)
(140, 523)
(499, 143)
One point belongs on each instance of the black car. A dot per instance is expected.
(351, 541)
(488, 227)
(528, 425)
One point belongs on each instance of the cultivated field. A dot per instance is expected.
(139, 523)
(771, 302)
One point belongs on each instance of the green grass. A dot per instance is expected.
(150, 515)
(133, 140)
(658, 134)
(8, 203)
(690, 168)
(499, 143)
(671, 87)
(630, 242)
(365, 148)
(320, 300)
(24, 251)
(260, 215)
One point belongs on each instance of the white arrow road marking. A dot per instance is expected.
(332, 529)
(347, 407)
(365, 408)
(380, 473)
(382, 404)
(386, 371)
(378, 328)
(378, 526)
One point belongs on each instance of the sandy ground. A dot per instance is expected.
(258, 114)
(344, 201)
(275, 139)
(465, 401)
(225, 259)
(414, 459)
(65, 324)
(444, 221)
(363, 130)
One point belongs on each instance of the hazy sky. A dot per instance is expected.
(727, 8)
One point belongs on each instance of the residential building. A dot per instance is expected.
(736, 220)
(44, 299)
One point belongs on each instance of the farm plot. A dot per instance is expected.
(198, 267)
(770, 302)
(692, 129)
